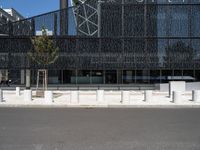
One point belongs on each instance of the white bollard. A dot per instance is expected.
(100, 95)
(48, 95)
(27, 95)
(74, 96)
(177, 96)
(147, 96)
(196, 96)
(1, 95)
(125, 97)
(17, 91)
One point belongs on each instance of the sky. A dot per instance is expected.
(29, 8)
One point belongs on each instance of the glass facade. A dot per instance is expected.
(121, 42)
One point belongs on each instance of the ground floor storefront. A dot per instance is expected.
(102, 76)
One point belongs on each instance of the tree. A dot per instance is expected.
(44, 53)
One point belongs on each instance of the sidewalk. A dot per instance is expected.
(112, 99)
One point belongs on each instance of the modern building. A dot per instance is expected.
(6, 16)
(111, 42)
(10, 14)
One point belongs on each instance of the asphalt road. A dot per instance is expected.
(99, 129)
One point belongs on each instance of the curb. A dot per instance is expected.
(95, 106)
(154, 106)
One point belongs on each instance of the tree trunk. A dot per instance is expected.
(44, 74)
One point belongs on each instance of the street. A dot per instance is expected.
(99, 129)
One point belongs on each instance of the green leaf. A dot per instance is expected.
(45, 51)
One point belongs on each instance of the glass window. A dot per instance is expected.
(66, 45)
(4, 60)
(111, 76)
(178, 75)
(142, 76)
(83, 77)
(197, 75)
(97, 77)
(179, 21)
(14, 76)
(162, 55)
(194, 2)
(188, 75)
(111, 22)
(166, 76)
(162, 21)
(195, 24)
(88, 45)
(69, 76)
(44, 21)
(152, 53)
(132, 45)
(196, 50)
(54, 76)
(134, 20)
(71, 22)
(152, 20)
(128, 76)
(111, 45)
(179, 53)
(155, 76)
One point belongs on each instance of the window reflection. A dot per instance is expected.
(195, 22)
(179, 21)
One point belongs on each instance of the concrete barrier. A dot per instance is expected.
(100, 96)
(27, 95)
(48, 95)
(176, 86)
(17, 91)
(177, 96)
(147, 96)
(1, 95)
(190, 86)
(74, 97)
(196, 96)
(126, 97)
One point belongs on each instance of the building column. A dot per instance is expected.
(28, 78)
(135, 80)
(90, 76)
(76, 74)
(62, 81)
(119, 76)
(160, 76)
(22, 77)
(104, 76)
(1, 76)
